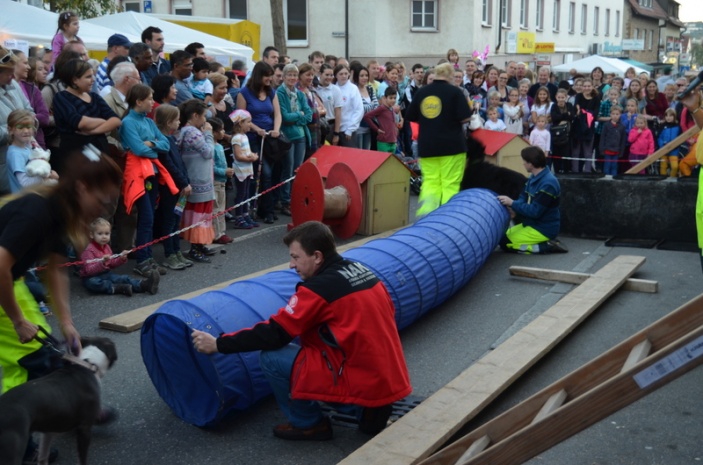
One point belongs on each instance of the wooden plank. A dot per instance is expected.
(134, 319)
(573, 277)
(664, 150)
(661, 334)
(637, 354)
(555, 401)
(429, 425)
(476, 448)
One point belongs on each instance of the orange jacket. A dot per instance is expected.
(136, 171)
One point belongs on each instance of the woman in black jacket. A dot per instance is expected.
(562, 115)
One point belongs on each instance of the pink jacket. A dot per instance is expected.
(95, 250)
(641, 143)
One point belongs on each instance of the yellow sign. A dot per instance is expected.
(525, 42)
(544, 47)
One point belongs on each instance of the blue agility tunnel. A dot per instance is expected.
(422, 266)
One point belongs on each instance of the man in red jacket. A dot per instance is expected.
(349, 354)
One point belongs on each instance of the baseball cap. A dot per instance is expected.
(118, 39)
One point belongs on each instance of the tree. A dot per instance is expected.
(697, 55)
(279, 31)
(86, 9)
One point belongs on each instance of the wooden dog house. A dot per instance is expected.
(385, 183)
(502, 148)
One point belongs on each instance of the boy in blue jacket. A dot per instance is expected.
(669, 131)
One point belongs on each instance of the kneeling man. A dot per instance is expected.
(538, 205)
(349, 355)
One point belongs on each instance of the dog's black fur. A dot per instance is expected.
(479, 173)
(65, 400)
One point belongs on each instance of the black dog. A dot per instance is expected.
(480, 173)
(65, 400)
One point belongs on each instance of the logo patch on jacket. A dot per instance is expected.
(291, 304)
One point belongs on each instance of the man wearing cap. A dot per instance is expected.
(117, 45)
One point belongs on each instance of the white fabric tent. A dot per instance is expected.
(586, 65)
(176, 37)
(38, 27)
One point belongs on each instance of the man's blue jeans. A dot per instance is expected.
(277, 366)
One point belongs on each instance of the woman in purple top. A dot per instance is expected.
(260, 100)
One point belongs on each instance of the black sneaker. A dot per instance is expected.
(197, 256)
(374, 419)
(554, 246)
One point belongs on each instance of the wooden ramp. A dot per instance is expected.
(573, 277)
(664, 150)
(641, 364)
(429, 425)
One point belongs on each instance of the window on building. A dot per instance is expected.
(486, 11)
(505, 14)
(556, 14)
(651, 40)
(617, 22)
(183, 8)
(238, 9)
(524, 5)
(540, 15)
(132, 6)
(572, 17)
(295, 16)
(645, 3)
(584, 18)
(596, 19)
(635, 33)
(424, 15)
(607, 22)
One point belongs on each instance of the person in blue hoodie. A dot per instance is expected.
(538, 205)
(668, 132)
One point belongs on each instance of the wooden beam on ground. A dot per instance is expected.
(429, 425)
(664, 150)
(573, 277)
(134, 319)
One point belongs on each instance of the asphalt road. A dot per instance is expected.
(664, 428)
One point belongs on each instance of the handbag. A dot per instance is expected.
(560, 134)
(275, 148)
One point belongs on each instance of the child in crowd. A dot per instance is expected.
(382, 120)
(527, 102)
(613, 140)
(669, 131)
(168, 214)
(613, 98)
(630, 116)
(222, 173)
(541, 137)
(143, 172)
(641, 141)
(197, 147)
(198, 83)
(542, 105)
(243, 168)
(97, 276)
(494, 100)
(453, 58)
(513, 112)
(494, 123)
(21, 125)
(67, 31)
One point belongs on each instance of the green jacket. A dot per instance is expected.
(295, 124)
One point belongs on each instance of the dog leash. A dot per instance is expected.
(53, 344)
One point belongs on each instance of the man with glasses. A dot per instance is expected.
(349, 352)
(154, 38)
(181, 69)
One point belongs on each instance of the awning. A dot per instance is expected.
(638, 64)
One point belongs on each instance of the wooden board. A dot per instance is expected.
(664, 150)
(595, 390)
(573, 277)
(429, 425)
(134, 319)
